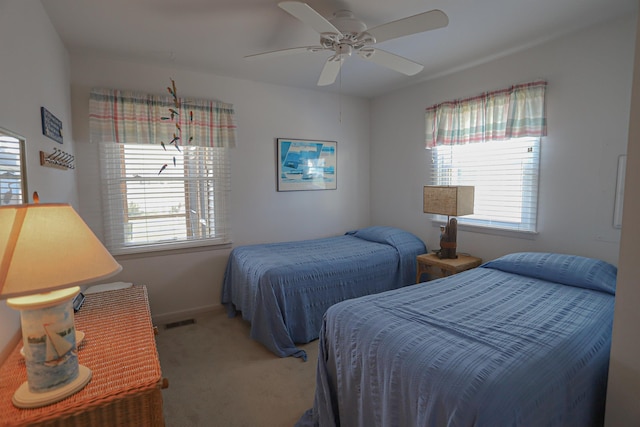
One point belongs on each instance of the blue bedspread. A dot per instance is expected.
(283, 289)
(520, 341)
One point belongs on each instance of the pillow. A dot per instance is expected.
(386, 235)
(572, 270)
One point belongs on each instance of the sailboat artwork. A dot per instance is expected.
(50, 349)
(58, 349)
(306, 165)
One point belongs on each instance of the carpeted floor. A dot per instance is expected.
(218, 376)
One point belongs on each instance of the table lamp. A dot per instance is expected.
(47, 252)
(449, 201)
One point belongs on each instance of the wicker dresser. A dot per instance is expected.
(120, 349)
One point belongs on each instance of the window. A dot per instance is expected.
(12, 170)
(505, 177)
(162, 194)
(492, 142)
(184, 205)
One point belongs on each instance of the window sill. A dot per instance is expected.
(527, 235)
(174, 250)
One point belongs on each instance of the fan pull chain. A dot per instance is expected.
(340, 94)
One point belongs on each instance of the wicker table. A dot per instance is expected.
(120, 349)
(436, 267)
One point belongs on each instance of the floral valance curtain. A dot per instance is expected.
(515, 112)
(139, 118)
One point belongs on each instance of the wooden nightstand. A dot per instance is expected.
(436, 267)
(120, 349)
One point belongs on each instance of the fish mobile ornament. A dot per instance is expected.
(174, 115)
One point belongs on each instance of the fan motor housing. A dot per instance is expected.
(343, 49)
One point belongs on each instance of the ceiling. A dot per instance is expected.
(214, 35)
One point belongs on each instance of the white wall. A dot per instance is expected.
(34, 72)
(589, 78)
(623, 391)
(588, 96)
(180, 283)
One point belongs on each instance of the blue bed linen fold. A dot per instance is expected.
(283, 289)
(482, 348)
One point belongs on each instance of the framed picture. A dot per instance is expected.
(307, 164)
(51, 125)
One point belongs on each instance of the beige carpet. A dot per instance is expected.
(218, 376)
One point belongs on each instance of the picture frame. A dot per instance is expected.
(304, 164)
(51, 125)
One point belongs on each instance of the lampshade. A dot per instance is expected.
(47, 247)
(448, 200)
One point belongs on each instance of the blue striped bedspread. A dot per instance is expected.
(520, 341)
(283, 289)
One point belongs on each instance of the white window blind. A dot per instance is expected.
(11, 170)
(185, 205)
(505, 177)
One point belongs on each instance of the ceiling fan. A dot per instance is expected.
(344, 34)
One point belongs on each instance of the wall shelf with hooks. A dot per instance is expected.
(58, 159)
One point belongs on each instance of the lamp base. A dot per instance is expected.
(24, 398)
(448, 237)
(448, 250)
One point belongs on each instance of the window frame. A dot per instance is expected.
(112, 177)
(20, 142)
(491, 226)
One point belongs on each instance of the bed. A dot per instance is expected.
(283, 289)
(519, 341)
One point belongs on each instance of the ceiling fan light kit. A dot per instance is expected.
(345, 34)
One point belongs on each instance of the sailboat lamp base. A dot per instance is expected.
(24, 398)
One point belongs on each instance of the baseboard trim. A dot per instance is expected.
(177, 316)
(11, 345)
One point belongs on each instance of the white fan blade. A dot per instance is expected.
(283, 52)
(389, 60)
(306, 14)
(330, 70)
(419, 23)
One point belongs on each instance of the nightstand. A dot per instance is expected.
(120, 349)
(436, 267)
